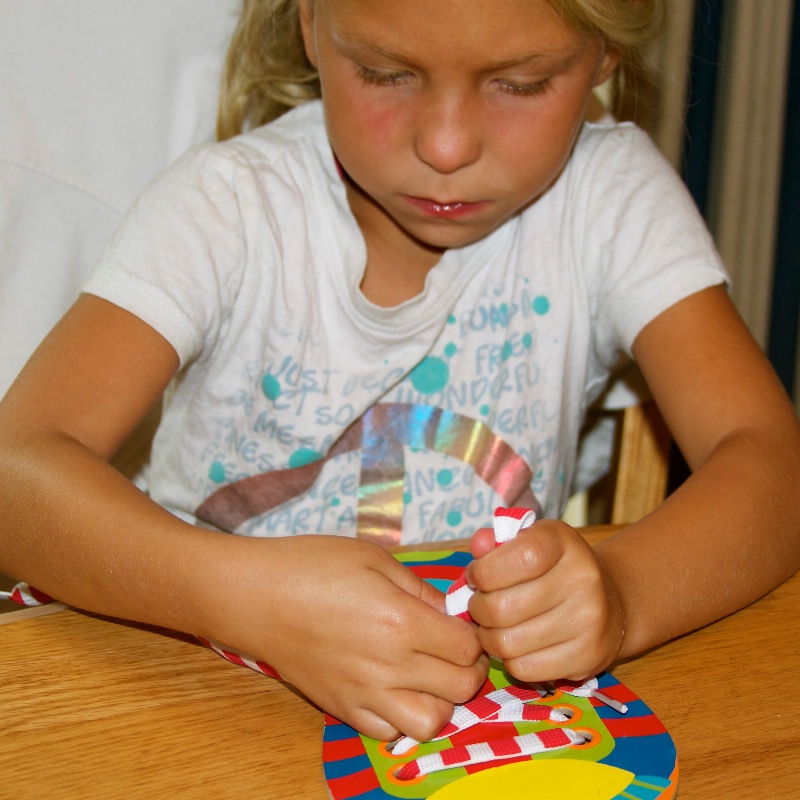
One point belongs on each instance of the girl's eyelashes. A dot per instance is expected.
(377, 77)
(523, 89)
(382, 77)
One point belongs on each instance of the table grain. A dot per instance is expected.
(97, 708)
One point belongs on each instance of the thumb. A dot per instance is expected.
(431, 595)
(482, 542)
(410, 582)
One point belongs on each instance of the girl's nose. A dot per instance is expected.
(447, 137)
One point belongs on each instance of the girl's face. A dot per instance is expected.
(450, 116)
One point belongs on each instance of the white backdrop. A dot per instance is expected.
(96, 98)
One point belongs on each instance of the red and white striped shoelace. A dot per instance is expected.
(484, 752)
(508, 522)
(509, 704)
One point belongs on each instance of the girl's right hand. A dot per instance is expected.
(358, 633)
(343, 621)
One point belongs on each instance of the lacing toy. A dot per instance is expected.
(594, 740)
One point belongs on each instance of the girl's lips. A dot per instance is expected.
(452, 209)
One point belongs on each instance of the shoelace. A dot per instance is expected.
(485, 752)
(508, 522)
(509, 704)
(512, 703)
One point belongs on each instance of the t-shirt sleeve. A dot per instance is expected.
(653, 246)
(176, 259)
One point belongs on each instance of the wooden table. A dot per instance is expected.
(92, 708)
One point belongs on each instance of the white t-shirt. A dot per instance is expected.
(303, 408)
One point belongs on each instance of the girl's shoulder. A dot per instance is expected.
(614, 132)
(296, 139)
(621, 149)
(302, 126)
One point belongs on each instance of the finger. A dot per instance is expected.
(416, 714)
(369, 723)
(445, 680)
(430, 595)
(554, 663)
(571, 660)
(530, 555)
(412, 584)
(530, 636)
(568, 641)
(450, 639)
(506, 608)
(428, 630)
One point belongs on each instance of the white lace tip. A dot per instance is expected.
(402, 745)
(610, 702)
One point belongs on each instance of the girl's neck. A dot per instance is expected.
(397, 263)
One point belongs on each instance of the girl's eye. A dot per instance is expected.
(381, 78)
(523, 89)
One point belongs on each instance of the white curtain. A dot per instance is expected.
(748, 144)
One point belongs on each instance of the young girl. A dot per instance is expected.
(379, 317)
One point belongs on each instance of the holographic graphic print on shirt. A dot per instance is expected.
(410, 446)
(382, 435)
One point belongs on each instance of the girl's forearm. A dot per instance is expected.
(726, 537)
(77, 529)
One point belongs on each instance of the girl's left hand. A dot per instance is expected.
(544, 604)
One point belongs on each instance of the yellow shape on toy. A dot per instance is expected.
(562, 779)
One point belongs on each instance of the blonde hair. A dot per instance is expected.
(267, 72)
(627, 26)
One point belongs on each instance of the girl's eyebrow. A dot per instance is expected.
(356, 42)
(552, 58)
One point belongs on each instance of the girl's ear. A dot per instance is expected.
(307, 29)
(608, 64)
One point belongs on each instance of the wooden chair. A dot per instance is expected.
(641, 463)
(624, 454)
